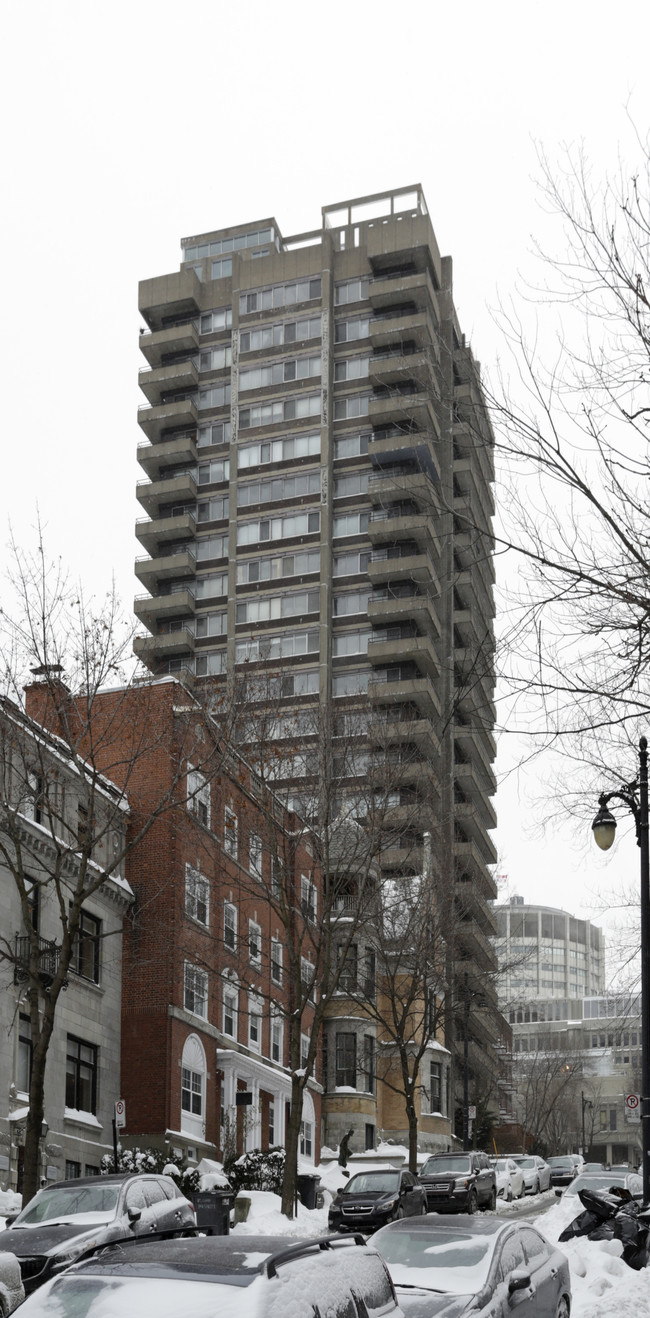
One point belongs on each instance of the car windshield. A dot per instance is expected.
(560, 1162)
(70, 1201)
(502, 1164)
(526, 1162)
(367, 1182)
(451, 1164)
(455, 1261)
(102, 1297)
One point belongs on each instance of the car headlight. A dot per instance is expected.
(63, 1259)
(389, 1203)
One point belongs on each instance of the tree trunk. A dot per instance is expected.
(291, 1146)
(413, 1136)
(32, 1160)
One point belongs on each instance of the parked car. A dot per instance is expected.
(451, 1268)
(67, 1218)
(537, 1173)
(11, 1287)
(592, 1167)
(604, 1181)
(370, 1199)
(459, 1182)
(620, 1167)
(510, 1179)
(563, 1170)
(232, 1276)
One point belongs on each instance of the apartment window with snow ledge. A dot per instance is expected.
(254, 1024)
(198, 796)
(230, 1005)
(230, 844)
(255, 855)
(254, 943)
(346, 1060)
(196, 990)
(230, 926)
(276, 961)
(304, 1049)
(306, 1139)
(197, 896)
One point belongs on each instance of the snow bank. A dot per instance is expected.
(603, 1286)
(266, 1219)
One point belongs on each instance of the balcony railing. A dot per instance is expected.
(48, 959)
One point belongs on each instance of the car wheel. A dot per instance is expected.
(398, 1214)
(424, 1210)
(563, 1309)
(472, 1202)
(492, 1202)
(509, 1195)
(522, 1191)
(537, 1187)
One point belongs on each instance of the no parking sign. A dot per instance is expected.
(632, 1107)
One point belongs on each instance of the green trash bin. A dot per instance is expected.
(213, 1211)
(308, 1189)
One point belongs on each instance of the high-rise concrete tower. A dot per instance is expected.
(318, 465)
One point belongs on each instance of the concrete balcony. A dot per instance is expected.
(175, 296)
(384, 486)
(477, 592)
(170, 644)
(470, 860)
(416, 649)
(182, 414)
(152, 532)
(154, 458)
(470, 446)
(167, 342)
(399, 408)
(151, 494)
(417, 731)
(408, 567)
(392, 368)
(154, 383)
(405, 446)
(388, 291)
(466, 814)
(471, 940)
(469, 481)
(472, 902)
(417, 608)
(419, 691)
(478, 787)
(402, 856)
(477, 744)
(163, 567)
(151, 610)
(413, 326)
(390, 527)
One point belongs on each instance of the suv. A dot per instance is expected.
(371, 1199)
(459, 1182)
(331, 1277)
(67, 1218)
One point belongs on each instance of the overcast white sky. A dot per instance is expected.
(130, 124)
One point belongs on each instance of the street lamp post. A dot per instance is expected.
(586, 1103)
(635, 796)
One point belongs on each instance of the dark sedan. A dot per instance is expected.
(449, 1267)
(370, 1199)
(563, 1170)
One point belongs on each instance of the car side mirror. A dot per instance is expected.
(10, 1220)
(519, 1280)
(558, 1193)
(407, 1188)
(134, 1215)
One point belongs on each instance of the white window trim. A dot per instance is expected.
(230, 833)
(193, 875)
(254, 929)
(202, 975)
(230, 906)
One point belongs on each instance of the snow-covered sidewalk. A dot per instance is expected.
(602, 1284)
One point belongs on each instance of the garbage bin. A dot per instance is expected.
(308, 1189)
(213, 1211)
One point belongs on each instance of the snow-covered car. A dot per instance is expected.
(510, 1179)
(604, 1181)
(11, 1287)
(67, 1218)
(448, 1267)
(537, 1173)
(234, 1277)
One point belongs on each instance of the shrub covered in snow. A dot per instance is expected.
(154, 1160)
(258, 1171)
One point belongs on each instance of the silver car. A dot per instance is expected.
(537, 1173)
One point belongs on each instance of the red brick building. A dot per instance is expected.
(226, 899)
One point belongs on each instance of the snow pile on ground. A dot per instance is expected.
(602, 1284)
(10, 1204)
(266, 1219)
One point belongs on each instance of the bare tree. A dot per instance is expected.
(571, 418)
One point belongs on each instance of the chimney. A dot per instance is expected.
(47, 697)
